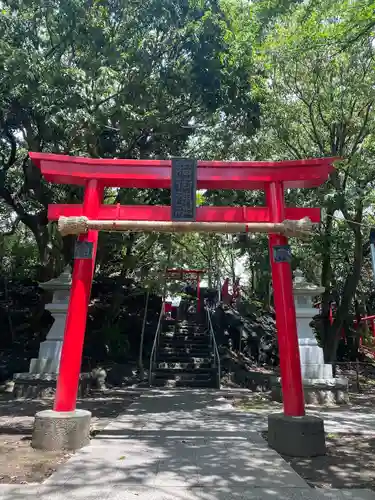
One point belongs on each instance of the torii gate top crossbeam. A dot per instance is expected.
(185, 271)
(63, 169)
(181, 274)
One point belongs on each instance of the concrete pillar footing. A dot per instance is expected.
(54, 430)
(296, 436)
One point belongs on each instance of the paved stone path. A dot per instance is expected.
(172, 445)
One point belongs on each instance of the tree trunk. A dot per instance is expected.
(253, 280)
(326, 276)
(9, 312)
(350, 286)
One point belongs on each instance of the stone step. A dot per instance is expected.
(183, 344)
(189, 328)
(164, 382)
(188, 335)
(184, 357)
(190, 324)
(197, 374)
(197, 335)
(171, 358)
(166, 356)
(170, 329)
(183, 353)
(180, 365)
(175, 344)
(184, 375)
(183, 372)
(196, 331)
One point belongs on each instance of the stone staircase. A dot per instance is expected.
(184, 356)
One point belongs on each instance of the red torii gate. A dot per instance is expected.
(191, 274)
(96, 174)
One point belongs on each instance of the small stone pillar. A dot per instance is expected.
(40, 381)
(48, 360)
(311, 355)
(319, 385)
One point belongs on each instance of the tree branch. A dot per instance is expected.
(315, 131)
(365, 31)
(13, 148)
(14, 227)
(362, 132)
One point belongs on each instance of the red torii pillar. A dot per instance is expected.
(75, 327)
(95, 174)
(282, 280)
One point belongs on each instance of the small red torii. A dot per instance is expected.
(194, 274)
(96, 174)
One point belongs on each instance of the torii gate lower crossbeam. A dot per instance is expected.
(272, 177)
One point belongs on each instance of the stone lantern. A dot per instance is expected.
(40, 381)
(48, 360)
(319, 384)
(312, 359)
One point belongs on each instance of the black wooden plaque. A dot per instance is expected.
(83, 250)
(177, 275)
(282, 253)
(183, 189)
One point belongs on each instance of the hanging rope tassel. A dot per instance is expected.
(81, 225)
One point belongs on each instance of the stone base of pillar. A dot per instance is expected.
(48, 360)
(324, 392)
(55, 430)
(312, 360)
(296, 436)
(44, 365)
(43, 385)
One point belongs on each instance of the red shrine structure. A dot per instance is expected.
(271, 177)
(188, 275)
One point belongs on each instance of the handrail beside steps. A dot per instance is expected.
(156, 342)
(213, 342)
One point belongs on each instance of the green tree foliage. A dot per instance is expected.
(320, 103)
(316, 61)
(107, 79)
